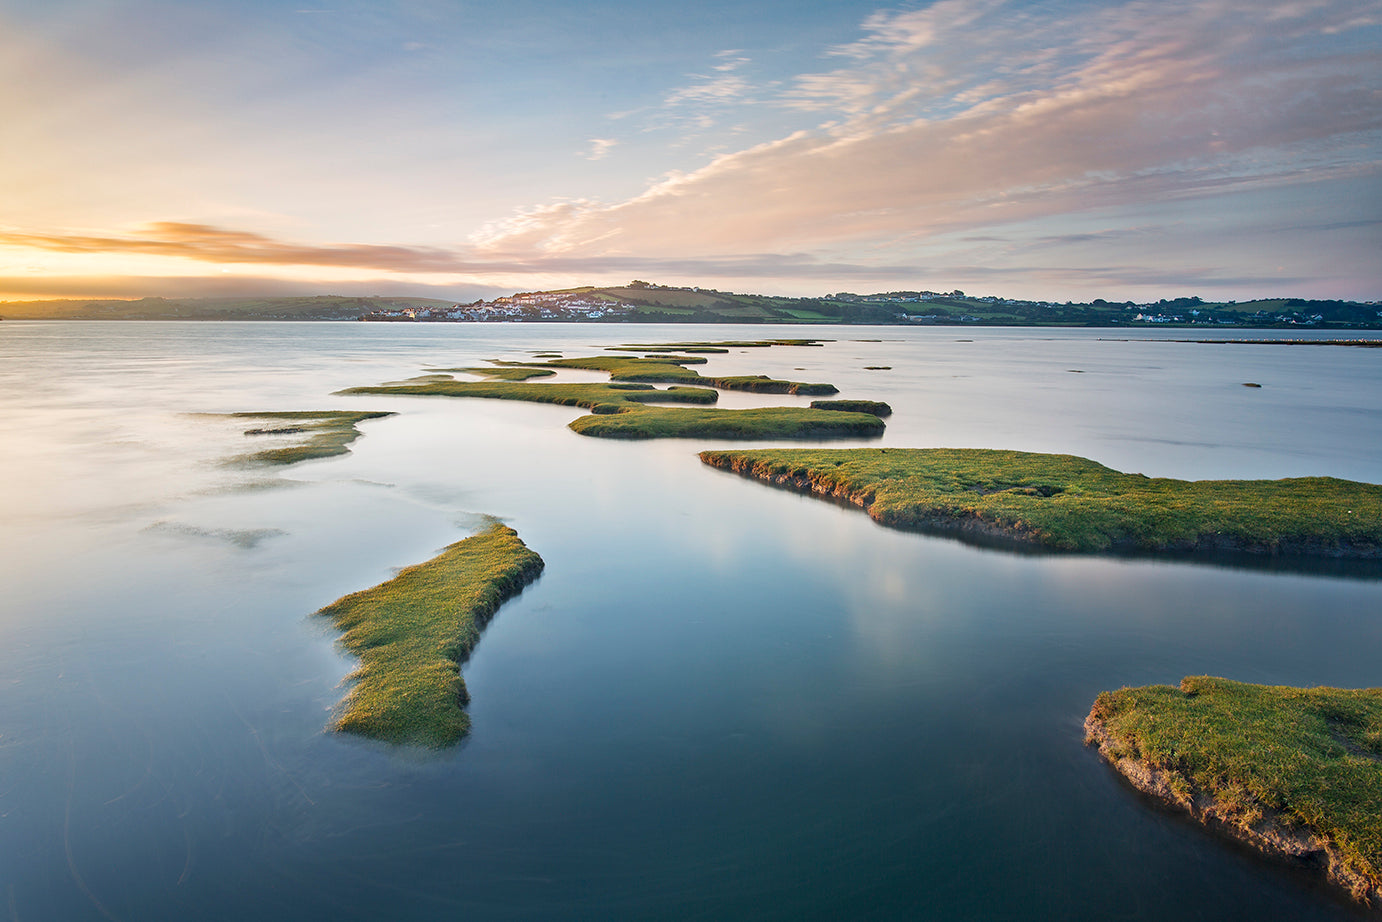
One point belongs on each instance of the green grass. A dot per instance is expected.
(324, 433)
(718, 346)
(761, 423)
(1063, 502)
(620, 410)
(1306, 757)
(673, 371)
(412, 632)
(588, 396)
(506, 372)
(669, 347)
(874, 407)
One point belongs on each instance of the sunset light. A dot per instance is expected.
(1080, 149)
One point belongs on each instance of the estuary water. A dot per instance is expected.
(720, 700)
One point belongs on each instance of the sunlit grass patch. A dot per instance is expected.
(1068, 503)
(586, 395)
(1272, 765)
(673, 370)
(874, 407)
(761, 423)
(718, 345)
(622, 408)
(412, 632)
(324, 433)
(506, 372)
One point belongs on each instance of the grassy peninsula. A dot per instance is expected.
(1294, 772)
(412, 632)
(1067, 503)
(324, 433)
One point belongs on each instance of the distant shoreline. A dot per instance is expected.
(641, 302)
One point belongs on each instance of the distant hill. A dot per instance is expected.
(320, 307)
(642, 302)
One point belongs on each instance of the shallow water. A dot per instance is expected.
(719, 701)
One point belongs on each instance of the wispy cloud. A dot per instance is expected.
(725, 84)
(978, 112)
(217, 245)
(599, 148)
(704, 102)
(205, 243)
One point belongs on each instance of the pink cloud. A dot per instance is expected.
(972, 113)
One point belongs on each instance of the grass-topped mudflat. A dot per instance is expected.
(324, 433)
(673, 370)
(874, 407)
(621, 408)
(600, 398)
(621, 411)
(412, 633)
(1294, 772)
(716, 346)
(505, 372)
(1063, 502)
(760, 423)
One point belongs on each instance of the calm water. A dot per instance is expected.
(720, 701)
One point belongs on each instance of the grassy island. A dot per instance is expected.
(717, 346)
(325, 433)
(621, 409)
(673, 370)
(1294, 772)
(413, 632)
(875, 407)
(1066, 503)
(599, 398)
(761, 423)
(505, 372)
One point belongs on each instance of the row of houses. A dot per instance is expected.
(516, 308)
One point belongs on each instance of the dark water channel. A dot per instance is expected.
(720, 701)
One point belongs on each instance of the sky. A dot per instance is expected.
(1062, 150)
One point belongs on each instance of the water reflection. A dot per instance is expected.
(720, 701)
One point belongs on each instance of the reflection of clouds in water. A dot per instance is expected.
(256, 485)
(440, 495)
(893, 599)
(1125, 437)
(243, 538)
(472, 522)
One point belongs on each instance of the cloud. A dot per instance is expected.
(972, 113)
(599, 148)
(724, 85)
(205, 243)
(700, 104)
(218, 245)
(20, 288)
